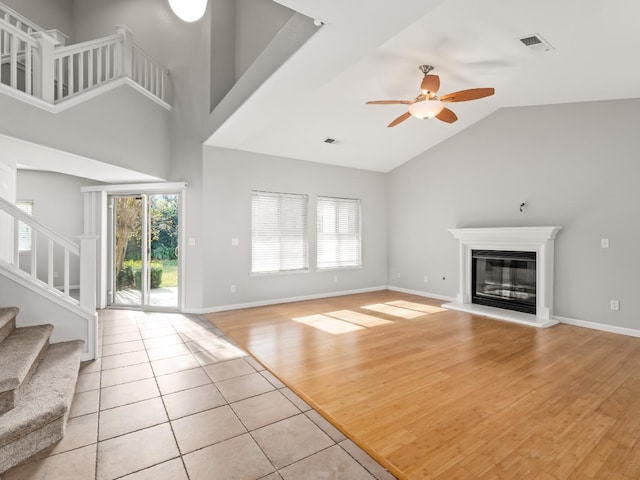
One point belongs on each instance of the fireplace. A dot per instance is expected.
(507, 273)
(504, 279)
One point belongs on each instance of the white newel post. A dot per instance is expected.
(124, 51)
(44, 67)
(88, 288)
(60, 37)
(88, 272)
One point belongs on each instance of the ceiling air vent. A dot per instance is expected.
(536, 42)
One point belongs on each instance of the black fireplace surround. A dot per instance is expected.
(504, 279)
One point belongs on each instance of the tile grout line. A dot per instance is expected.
(173, 433)
(101, 330)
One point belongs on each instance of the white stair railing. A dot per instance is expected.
(60, 252)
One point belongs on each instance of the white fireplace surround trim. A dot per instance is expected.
(527, 239)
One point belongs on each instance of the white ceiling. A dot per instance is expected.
(371, 50)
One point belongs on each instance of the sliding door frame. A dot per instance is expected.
(98, 221)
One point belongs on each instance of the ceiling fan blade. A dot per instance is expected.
(400, 119)
(466, 95)
(430, 83)
(389, 102)
(447, 115)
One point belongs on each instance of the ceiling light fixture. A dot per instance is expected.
(188, 10)
(424, 109)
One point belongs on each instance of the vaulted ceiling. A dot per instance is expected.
(371, 49)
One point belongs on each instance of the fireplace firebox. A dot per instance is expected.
(504, 279)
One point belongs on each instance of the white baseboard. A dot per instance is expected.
(264, 303)
(630, 332)
(422, 294)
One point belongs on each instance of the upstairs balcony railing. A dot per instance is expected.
(36, 63)
(22, 23)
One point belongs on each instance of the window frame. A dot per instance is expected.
(27, 233)
(281, 230)
(339, 264)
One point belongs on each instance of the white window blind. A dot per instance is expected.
(339, 241)
(24, 230)
(279, 240)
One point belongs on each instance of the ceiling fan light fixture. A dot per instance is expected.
(424, 109)
(188, 10)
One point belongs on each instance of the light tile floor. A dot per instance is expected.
(171, 398)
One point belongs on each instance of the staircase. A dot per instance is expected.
(32, 284)
(37, 67)
(37, 383)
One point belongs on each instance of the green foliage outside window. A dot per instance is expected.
(130, 275)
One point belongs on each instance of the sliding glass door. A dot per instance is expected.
(144, 259)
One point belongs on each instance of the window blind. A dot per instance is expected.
(279, 241)
(339, 240)
(24, 230)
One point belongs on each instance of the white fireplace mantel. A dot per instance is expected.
(528, 239)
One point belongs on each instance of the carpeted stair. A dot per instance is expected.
(37, 382)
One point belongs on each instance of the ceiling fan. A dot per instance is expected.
(428, 105)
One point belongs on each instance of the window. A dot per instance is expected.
(339, 243)
(24, 230)
(279, 232)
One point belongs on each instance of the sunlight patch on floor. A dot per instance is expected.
(358, 318)
(420, 307)
(328, 324)
(393, 310)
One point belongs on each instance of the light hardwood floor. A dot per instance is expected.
(438, 394)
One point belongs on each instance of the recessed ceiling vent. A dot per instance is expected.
(536, 42)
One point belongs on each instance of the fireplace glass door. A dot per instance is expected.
(504, 279)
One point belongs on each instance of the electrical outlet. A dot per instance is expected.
(335, 278)
(398, 275)
(233, 289)
(604, 243)
(426, 279)
(235, 242)
(615, 305)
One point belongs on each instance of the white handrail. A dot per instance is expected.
(54, 242)
(21, 22)
(149, 73)
(85, 65)
(88, 45)
(27, 219)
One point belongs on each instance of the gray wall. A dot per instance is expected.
(223, 50)
(59, 205)
(229, 177)
(576, 166)
(120, 127)
(240, 31)
(257, 22)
